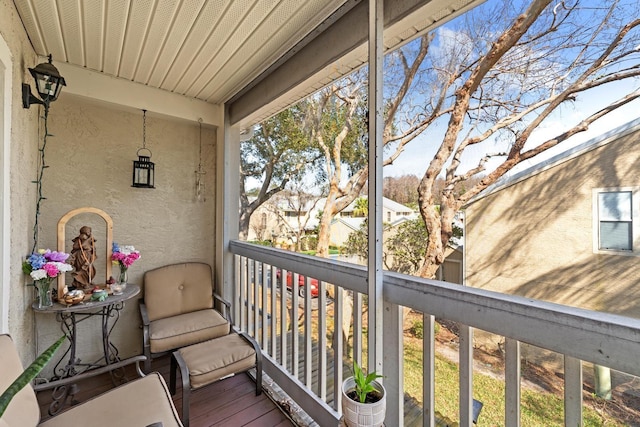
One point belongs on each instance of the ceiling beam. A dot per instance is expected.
(130, 95)
(338, 49)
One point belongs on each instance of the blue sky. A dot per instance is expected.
(414, 160)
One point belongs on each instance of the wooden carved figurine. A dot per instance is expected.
(83, 254)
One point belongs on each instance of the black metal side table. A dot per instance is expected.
(70, 368)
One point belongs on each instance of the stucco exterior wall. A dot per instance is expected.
(90, 164)
(535, 238)
(23, 146)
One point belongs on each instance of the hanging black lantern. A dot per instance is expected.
(143, 171)
(143, 168)
(49, 83)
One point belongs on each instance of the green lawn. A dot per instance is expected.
(313, 252)
(537, 409)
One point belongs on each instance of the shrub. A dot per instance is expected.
(417, 329)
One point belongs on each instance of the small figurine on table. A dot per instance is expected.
(83, 254)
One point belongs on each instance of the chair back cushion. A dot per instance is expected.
(177, 289)
(23, 410)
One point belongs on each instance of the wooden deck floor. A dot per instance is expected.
(231, 402)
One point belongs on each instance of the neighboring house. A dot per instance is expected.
(341, 227)
(283, 218)
(452, 269)
(567, 230)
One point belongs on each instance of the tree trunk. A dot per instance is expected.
(245, 217)
(324, 230)
(434, 255)
(324, 233)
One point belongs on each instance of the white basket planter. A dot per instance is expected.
(358, 414)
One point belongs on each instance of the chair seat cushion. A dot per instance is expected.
(212, 360)
(186, 329)
(137, 403)
(23, 411)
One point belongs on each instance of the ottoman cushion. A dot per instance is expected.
(212, 360)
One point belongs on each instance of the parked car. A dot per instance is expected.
(314, 286)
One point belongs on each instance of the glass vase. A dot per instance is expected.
(121, 282)
(123, 276)
(44, 293)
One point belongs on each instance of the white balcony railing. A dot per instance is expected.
(305, 357)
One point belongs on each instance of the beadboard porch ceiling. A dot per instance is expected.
(204, 49)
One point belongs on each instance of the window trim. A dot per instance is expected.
(635, 221)
(6, 82)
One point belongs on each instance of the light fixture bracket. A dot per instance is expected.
(27, 97)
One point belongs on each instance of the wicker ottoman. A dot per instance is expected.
(210, 361)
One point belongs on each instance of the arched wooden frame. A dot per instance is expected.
(62, 288)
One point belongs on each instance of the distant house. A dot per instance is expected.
(347, 221)
(566, 230)
(284, 216)
(391, 211)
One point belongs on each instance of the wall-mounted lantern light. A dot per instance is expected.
(49, 83)
(143, 168)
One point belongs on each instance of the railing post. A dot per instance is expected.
(295, 330)
(429, 368)
(265, 307)
(284, 313)
(466, 375)
(572, 391)
(512, 382)
(357, 327)
(393, 353)
(322, 342)
(338, 348)
(242, 295)
(308, 354)
(274, 313)
(255, 293)
(235, 294)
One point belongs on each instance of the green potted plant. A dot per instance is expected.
(364, 400)
(28, 375)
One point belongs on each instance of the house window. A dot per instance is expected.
(615, 220)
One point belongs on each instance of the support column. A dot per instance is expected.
(376, 123)
(227, 207)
